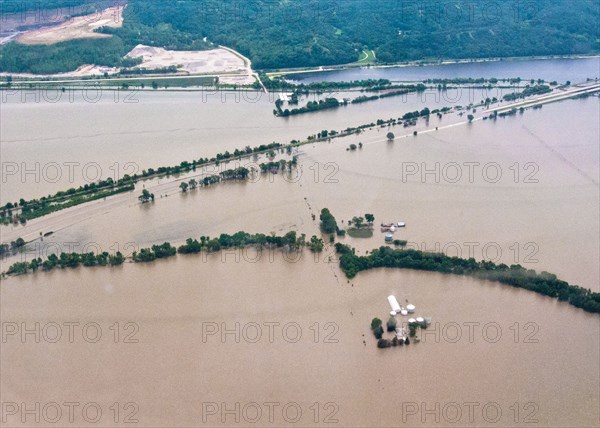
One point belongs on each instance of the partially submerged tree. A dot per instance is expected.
(328, 223)
(146, 196)
(376, 326)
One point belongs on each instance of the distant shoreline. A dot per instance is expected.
(50, 79)
(424, 63)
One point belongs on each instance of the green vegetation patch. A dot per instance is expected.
(360, 233)
(367, 57)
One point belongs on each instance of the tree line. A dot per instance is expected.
(291, 241)
(527, 92)
(515, 275)
(29, 209)
(331, 103)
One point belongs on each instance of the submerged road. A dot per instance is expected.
(550, 98)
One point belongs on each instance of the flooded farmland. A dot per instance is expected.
(247, 338)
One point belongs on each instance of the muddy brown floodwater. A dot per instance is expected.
(303, 342)
(517, 190)
(247, 339)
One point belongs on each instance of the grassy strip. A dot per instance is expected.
(369, 57)
(360, 233)
(39, 208)
(77, 201)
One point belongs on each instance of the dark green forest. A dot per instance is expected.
(299, 33)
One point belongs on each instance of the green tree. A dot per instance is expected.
(392, 324)
(328, 223)
(377, 327)
(391, 136)
(316, 244)
(370, 218)
(290, 240)
(375, 322)
(117, 259)
(358, 222)
(146, 196)
(184, 187)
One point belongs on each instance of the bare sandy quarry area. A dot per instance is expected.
(233, 67)
(229, 65)
(194, 62)
(75, 28)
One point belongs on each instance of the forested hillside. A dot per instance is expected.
(297, 33)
